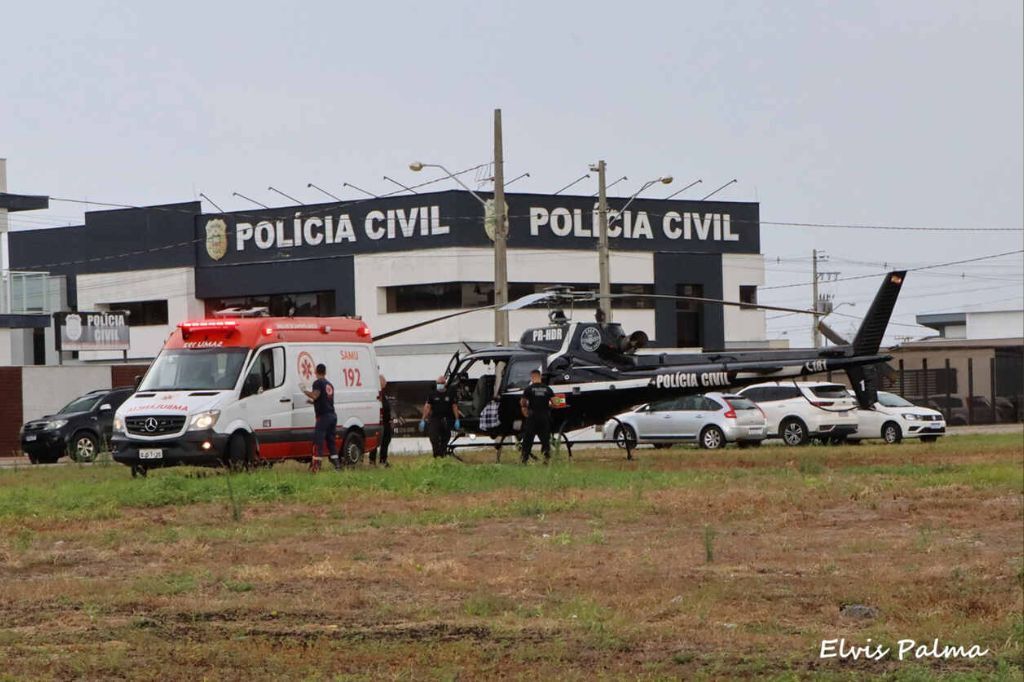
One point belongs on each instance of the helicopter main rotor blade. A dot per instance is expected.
(424, 323)
(529, 299)
(716, 301)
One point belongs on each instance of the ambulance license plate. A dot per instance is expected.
(151, 453)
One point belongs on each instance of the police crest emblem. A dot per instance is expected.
(73, 327)
(216, 238)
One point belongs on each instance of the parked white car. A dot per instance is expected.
(894, 418)
(712, 420)
(799, 411)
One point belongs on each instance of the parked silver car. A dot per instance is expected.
(712, 420)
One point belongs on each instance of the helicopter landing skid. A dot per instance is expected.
(623, 441)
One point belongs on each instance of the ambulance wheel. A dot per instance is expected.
(352, 449)
(238, 453)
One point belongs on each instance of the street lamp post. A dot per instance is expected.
(603, 258)
(500, 229)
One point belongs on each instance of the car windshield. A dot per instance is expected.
(202, 369)
(832, 391)
(893, 400)
(83, 404)
(741, 403)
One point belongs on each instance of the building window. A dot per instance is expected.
(748, 296)
(141, 313)
(408, 298)
(689, 317)
(308, 304)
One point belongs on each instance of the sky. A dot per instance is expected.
(858, 113)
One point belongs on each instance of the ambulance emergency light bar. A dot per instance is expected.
(230, 326)
(202, 325)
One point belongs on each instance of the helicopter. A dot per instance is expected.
(596, 372)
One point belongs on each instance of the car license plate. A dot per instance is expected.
(754, 430)
(30, 438)
(151, 453)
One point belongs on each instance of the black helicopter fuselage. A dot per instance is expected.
(596, 371)
(596, 375)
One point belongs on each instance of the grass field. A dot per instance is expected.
(681, 564)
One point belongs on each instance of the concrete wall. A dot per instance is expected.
(6, 355)
(175, 285)
(47, 389)
(742, 325)
(1001, 324)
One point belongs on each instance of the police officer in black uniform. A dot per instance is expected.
(440, 414)
(321, 395)
(536, 404)
(386, 428)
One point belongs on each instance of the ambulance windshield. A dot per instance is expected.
(203, 369)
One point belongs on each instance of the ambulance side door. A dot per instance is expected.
(266, 400)
(304, 360)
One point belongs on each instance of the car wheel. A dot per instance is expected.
(929, 439)
(238, 453)
(793, 432)
(623, 434)
(84, 447)
(892, 433)
(352, 448)
(712, 438)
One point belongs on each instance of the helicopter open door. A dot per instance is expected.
(453, 364)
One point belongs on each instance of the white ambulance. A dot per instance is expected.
(229, 391)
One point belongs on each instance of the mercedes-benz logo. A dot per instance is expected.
(151, 424)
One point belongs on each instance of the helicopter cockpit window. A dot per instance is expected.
(518, 373)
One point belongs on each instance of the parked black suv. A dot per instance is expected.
(80, 429)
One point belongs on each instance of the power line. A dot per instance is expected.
(917, 269)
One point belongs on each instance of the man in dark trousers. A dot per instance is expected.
(440, 414)
(536, 405)
(321, 395)
(386, 430)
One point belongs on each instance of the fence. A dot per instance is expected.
(967, 390)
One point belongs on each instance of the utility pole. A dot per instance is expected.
(500, 238)
(815, 334)
(605, 287)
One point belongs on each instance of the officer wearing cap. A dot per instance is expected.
(440, 414)
(536, 404)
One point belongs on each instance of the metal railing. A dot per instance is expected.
(25, 293)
